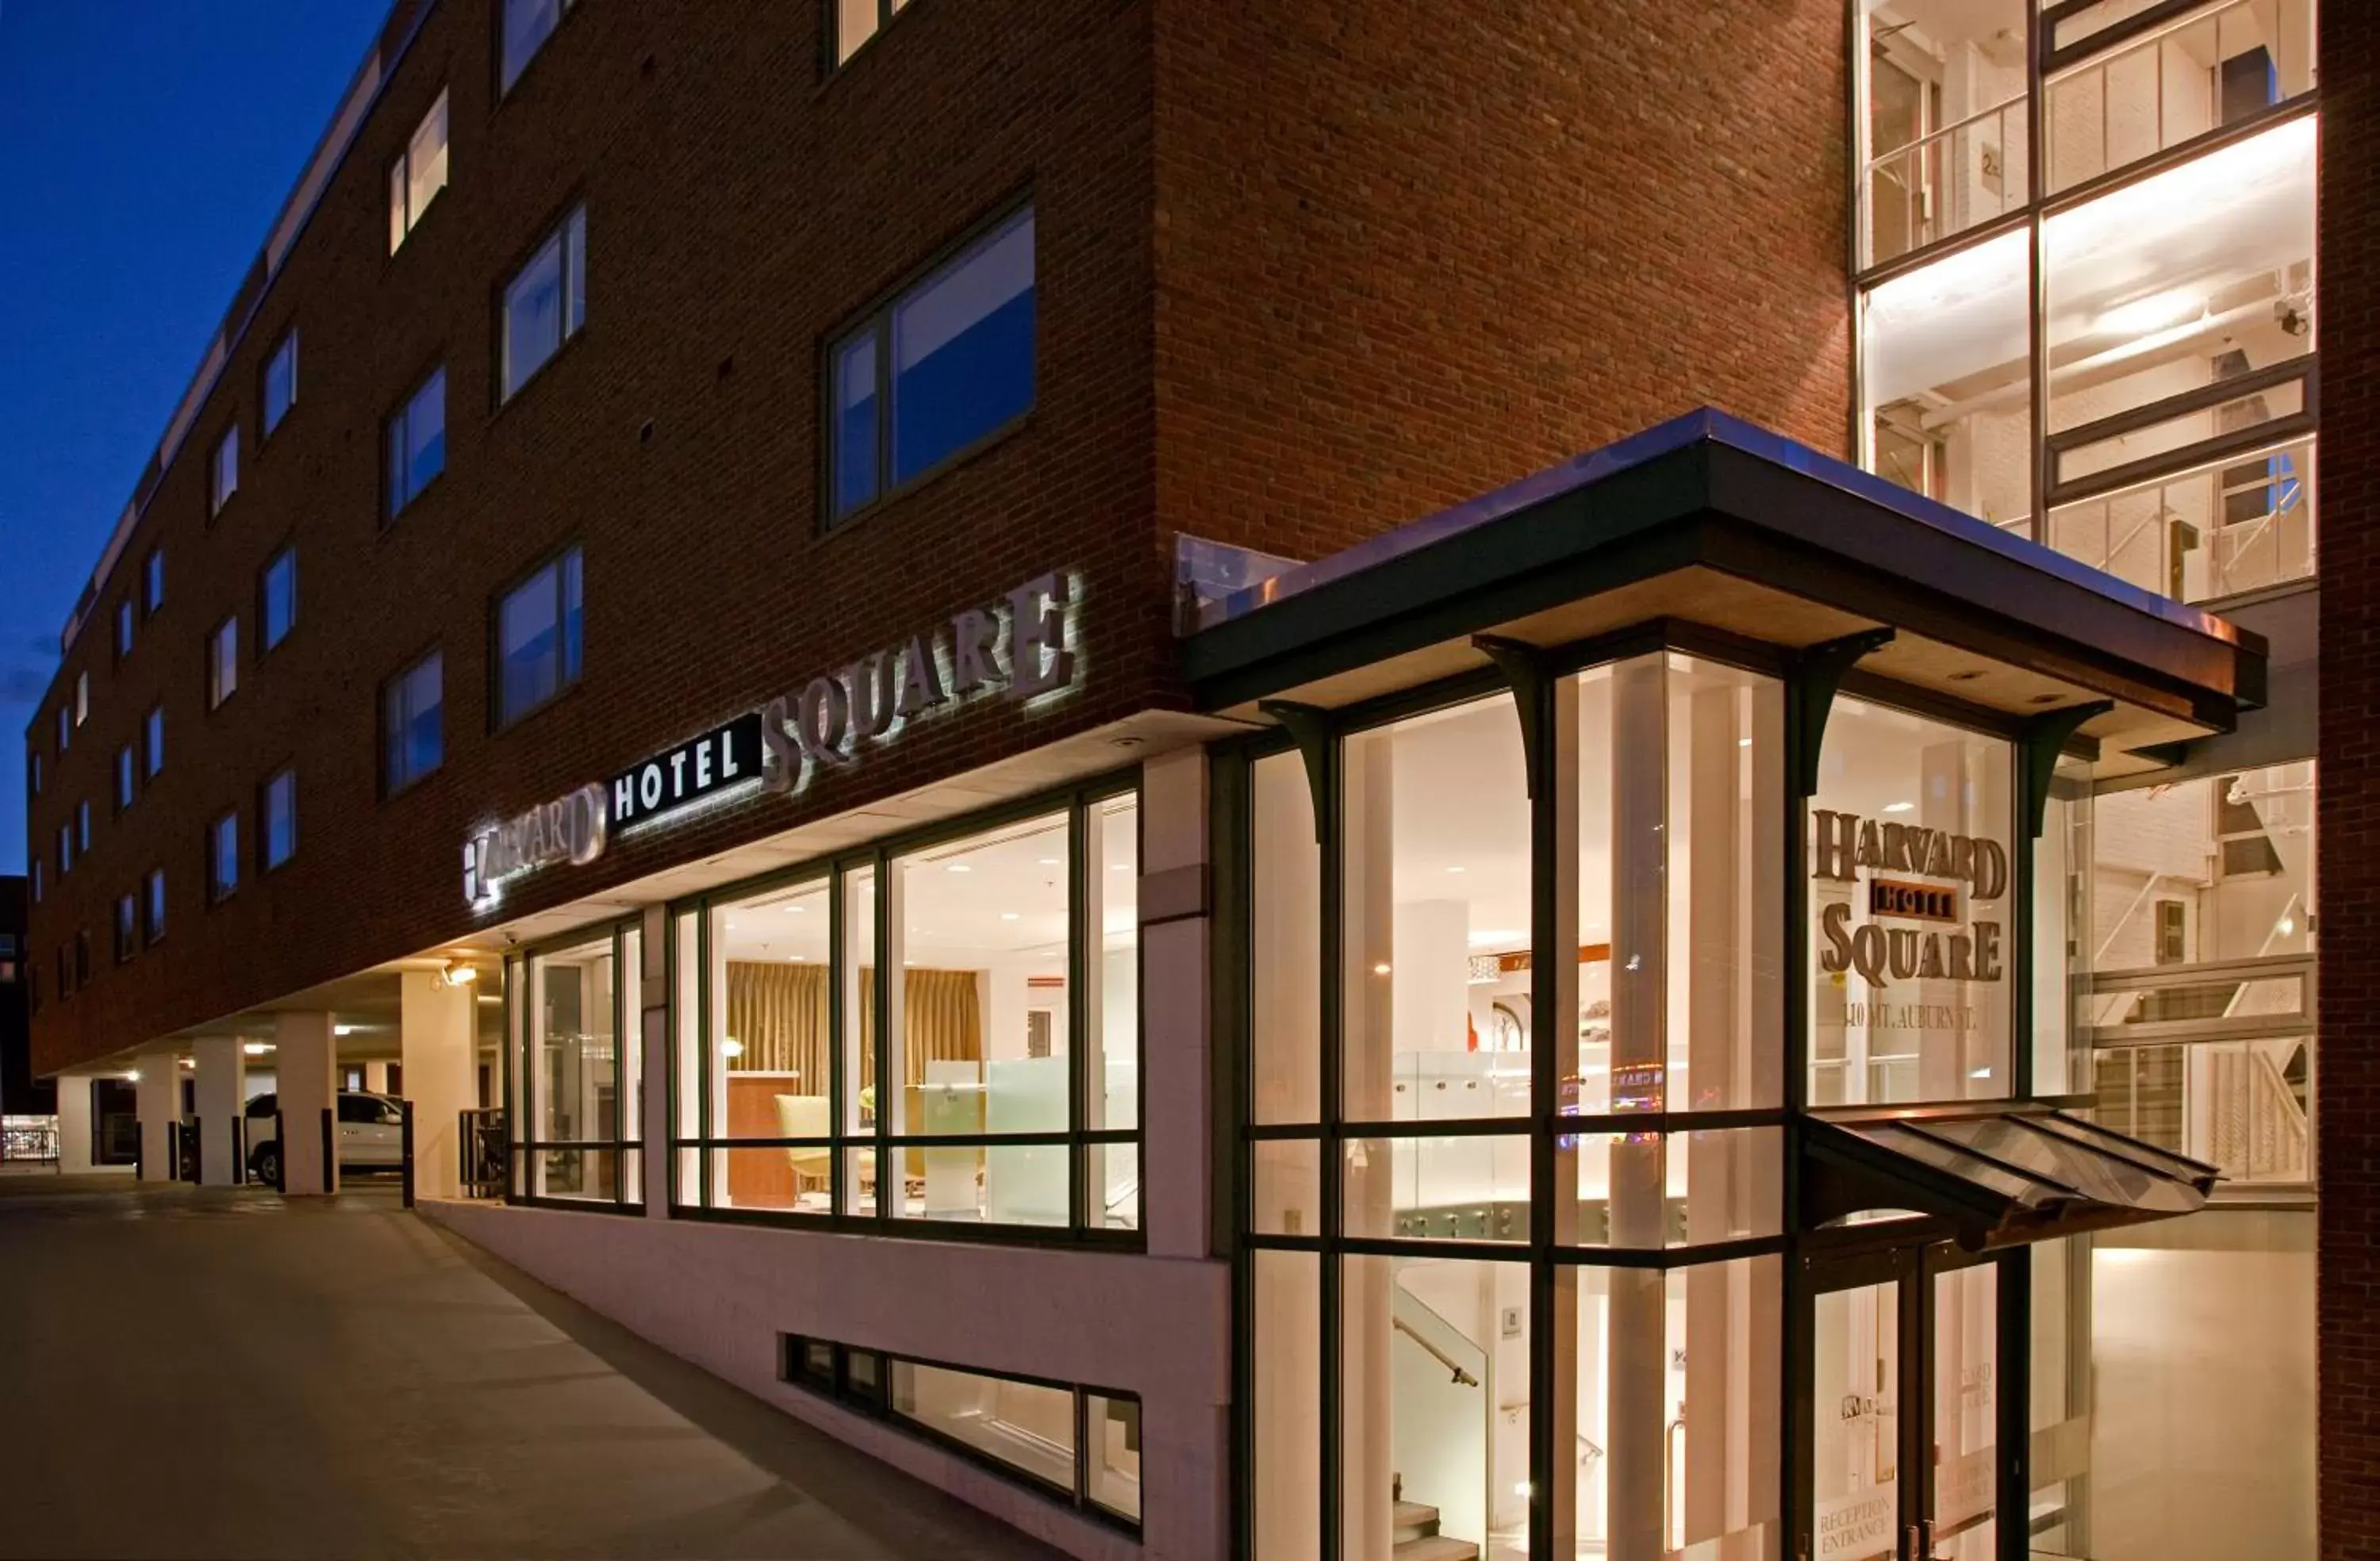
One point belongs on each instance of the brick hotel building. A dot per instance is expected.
(1394, 781)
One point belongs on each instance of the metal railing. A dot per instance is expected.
(2242, 523)
(1957, 178)
(2139, 98)
(484, 1155)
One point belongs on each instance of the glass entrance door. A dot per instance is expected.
(1903, 1407)
(1857, 1456)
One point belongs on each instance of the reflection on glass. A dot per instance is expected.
(1653, 1190)
(1023, 1425)
(2224, 64)
(2215, 529)
(1946, 120)
(1909, 897)
(1112, 1093)
(1285, 1417)
(857, 1113)
(1436, 901)
(1434, 1382)
(771, 1063)
(1947, 374)
(1113, 1467)
(1966, 1413)
(1287, 1197)
(2195, 275)
(574, 1067)
(1474, 1188)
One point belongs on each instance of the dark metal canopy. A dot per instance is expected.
(1709, 521)
(2000, 1174)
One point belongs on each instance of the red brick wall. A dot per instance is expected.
(1410, 250)
(741, 205)
(2348, 1255)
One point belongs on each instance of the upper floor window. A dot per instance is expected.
(127, 927)
(153, 581)
(537, 637)
(124, 777)
(276, 606)
(82, 827)
(223, 857)
(528, 24)
(413, 722)
(124, 628)
(281, 379)
(418, 175)
(155, 897)
(545, 303)
(66, 849)
(65, 727)
(417, 441)
(224, 472)
(857, 21)
(943, 366)
(278, 821)
(153, 741)
(83, 697)
(223, 661)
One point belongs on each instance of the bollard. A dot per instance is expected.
(404, 1115)
(239, 1149)
(330, 1150)
(280, 1151)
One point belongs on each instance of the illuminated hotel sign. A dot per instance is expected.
(1022, 651)
(821, 726)
(1847, 845)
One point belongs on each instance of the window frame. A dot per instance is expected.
(152, 582)
(390, 744)
(399, 182)
(152, 907)
(267, 863)
(882, 857)
(127, 927)
(266, 641)
(838, 59)
(565, 9)
(500, 720)
(223, 668)
(220, 889)
(153, 742)
(128, 779)
(398, 426)
(285, 345)
(226, 449)
(126, 628)
(555, 231)
(874, 323)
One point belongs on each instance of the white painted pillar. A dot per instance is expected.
(157, 1094)
(652, 1100)
(438, 1031)
(376, 1077)
(305, 1077)
(74, 1123)
(221, 1075)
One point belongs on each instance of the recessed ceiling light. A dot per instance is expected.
(960, 867)
(1048, 861)
(731, 1046)
(256, 1048)
(1119, 866)
(797, 959)
(1454, 869)
(1380, 969)
(1743, 741)
(1901, 807)
(1008, 915)
(795, 910)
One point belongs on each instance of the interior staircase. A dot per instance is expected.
(1417, 1537)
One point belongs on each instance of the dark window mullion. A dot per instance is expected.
(881, 330)
(1077, 1009)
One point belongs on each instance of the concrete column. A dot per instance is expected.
(158, 1096)
(75, 1126)
(1171, 906)
(376, 1077)
(305, 1077)
(439, 1035)
(223, 1073)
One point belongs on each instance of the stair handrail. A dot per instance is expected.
(1463, 1379)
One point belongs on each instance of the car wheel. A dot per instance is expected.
(268, 1165)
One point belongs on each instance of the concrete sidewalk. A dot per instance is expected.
(213, 1373)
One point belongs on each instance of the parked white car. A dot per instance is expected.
(371, 1133)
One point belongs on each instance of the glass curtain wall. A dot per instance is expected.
(944, 1030)
(2121, 366)
(1515, 1148)
(573, 1016)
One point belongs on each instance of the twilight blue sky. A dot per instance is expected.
(145, 146)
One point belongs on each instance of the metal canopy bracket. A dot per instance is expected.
(1819, 672)
(2044, 738)
(1523, 666)
(1309, 727)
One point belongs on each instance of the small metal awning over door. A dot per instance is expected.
(1998, 1174)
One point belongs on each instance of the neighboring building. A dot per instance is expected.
(721, 560)
(22, 1095)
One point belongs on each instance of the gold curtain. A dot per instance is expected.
(944, 1015)
(779, 1012)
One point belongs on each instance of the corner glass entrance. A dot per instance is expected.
(1903, 1407)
